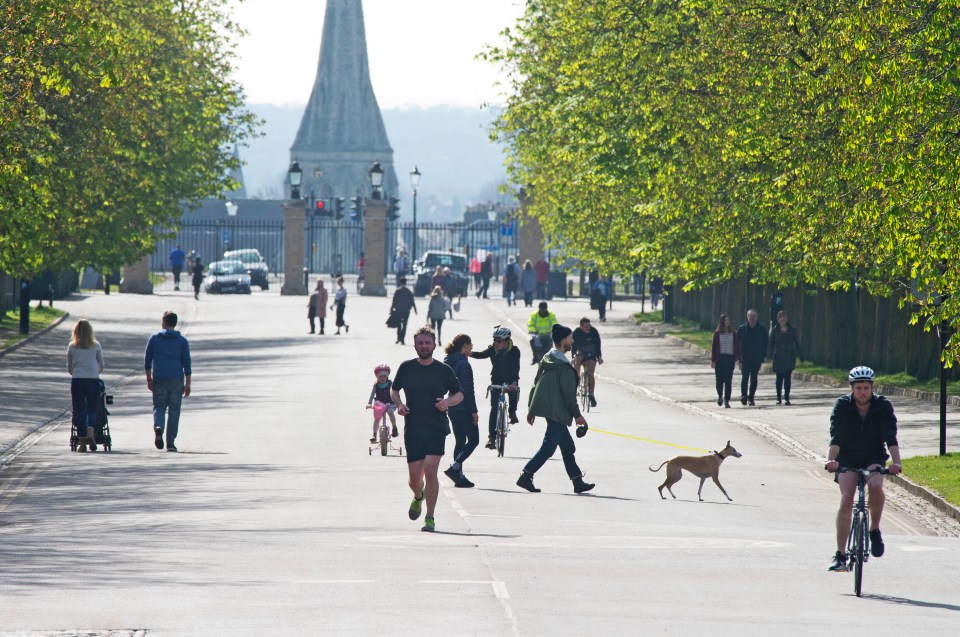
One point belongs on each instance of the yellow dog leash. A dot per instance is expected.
(650, 440)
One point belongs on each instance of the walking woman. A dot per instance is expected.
(197, 277)
(724, 355)
(340, 302)
(528, 283)
(85, 364)
(463, 417)
(784, 350)
(437, 311)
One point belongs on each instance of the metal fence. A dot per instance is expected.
(333, 247)
(476, 239)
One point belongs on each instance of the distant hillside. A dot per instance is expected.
(450, 146)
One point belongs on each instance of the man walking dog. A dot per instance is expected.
(554, 396)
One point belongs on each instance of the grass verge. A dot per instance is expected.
(939, 473)
(39, 319)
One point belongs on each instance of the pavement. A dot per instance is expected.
(272, 521)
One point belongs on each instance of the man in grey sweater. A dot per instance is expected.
(166, 363)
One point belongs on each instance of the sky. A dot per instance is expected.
(421, 52)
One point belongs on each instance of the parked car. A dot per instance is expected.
(255, 264)
(424, 268)
(225, 277)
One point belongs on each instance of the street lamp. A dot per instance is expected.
(943, 331)
(376, 180)
(415, 184)
(296, 176)
(231, 209)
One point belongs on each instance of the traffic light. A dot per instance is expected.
(321, 208)
(393, 208)
(356, 208)
(338, 208)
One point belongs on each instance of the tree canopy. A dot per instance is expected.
(790, 142)
(112, 114)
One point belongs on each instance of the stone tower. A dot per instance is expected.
(342, 131)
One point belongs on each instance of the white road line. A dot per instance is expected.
(455, 503)
(499, 588)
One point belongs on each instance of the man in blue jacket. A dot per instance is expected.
(166, 362)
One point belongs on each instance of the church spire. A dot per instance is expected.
(342, 132)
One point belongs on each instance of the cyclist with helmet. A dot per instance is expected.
(505, 358)
(381, 393)
(863, 428)
(539, 328)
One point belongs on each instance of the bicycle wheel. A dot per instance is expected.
(384, 439)
(858, 531)
(501, 430)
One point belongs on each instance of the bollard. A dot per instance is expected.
(306, 277)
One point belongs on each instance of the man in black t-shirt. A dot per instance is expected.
(430, 388)
(586, 353)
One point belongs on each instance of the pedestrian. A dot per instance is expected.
(486, 272)
(554, 396)
(85, 364)
(177, 258)
(166, 362)
(475, 272)
(401, 264)
(504, 370)
(598, 297)
(450, 290)
(776, 304)
(861, 424)
(437, 311)
(317, 307)
(528, 283)
(463, 417)
(753, 349)
(724, 354)
(542, 268)
(197, 276)
(340, 302)
(400, 307)
(430, 388)
(656, 292)
(511, 280)
(784, 350)
(437, 278)
(361, 271)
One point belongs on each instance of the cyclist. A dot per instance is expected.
(381, 392)
(505, 358)
(586, 352)
(539, 326)
(861, 424)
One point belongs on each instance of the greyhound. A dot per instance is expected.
(701, 466)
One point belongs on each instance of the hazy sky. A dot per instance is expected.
(421, 52)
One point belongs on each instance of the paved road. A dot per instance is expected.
(274, 520)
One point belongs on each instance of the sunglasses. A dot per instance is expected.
(498, 340)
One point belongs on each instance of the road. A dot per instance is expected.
(274, 519)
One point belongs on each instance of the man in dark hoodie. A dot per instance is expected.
(463, 417)
(166, 362)
(554, 396)
(505, 357)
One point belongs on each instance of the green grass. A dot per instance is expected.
(39, 319)
(940, 473)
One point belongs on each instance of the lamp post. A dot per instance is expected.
(415, 184)
(295, 175)
(943, 331)
(376, 180)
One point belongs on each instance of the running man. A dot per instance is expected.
(586, 353)
(861, 424)
(430, 388)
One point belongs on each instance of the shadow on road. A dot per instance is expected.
(912, 602)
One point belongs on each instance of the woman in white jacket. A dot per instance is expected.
(85, 364)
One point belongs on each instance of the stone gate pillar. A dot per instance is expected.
(294, 214)
(136, 278)
(374, 246)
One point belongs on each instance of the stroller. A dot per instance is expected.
(101, 428)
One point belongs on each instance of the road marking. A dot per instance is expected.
(917, 549)
(499, 587)
(651, 440)
(336, 581)
(455, 503)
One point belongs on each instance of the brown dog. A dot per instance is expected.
(701, 466)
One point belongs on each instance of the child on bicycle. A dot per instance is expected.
(381, 394)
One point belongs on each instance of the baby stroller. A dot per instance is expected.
(101, 427)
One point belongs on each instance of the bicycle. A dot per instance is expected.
(858, 543)
(503, 424)
(583, 390)
(384, 439)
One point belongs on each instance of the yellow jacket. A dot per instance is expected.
(541, 324)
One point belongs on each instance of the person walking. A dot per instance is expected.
(400, 306)
(784, 350)
(724, 354)
(554, 396)
(197, 276)
(401, 265)
(463, 417)
(340, 302)
(542, 269)
(177, 259)
(528, 283)
(85, 364)
(429, 388)
(598, 297)
(317, 307)
(437, 311)
(475, 272)
(753, 349)
(861, 425)
(167, 365)
(505, 370)
(486, 272)
(511, 280)
(361, 271)
(450, 290)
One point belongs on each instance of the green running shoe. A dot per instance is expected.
(416, 506)
(429, 525)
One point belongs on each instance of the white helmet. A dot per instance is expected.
(501, 332)
(860, 373)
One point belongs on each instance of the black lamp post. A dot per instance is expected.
(415, 184)
(376, 180)
(296, 177)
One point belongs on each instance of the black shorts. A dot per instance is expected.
(421, 443)
(860, 462)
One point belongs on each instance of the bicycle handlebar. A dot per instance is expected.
(864, 472)
(502, 388)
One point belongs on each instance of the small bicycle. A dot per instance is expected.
(384, 440)
(858, 543)
(503, 424)
(583, 390)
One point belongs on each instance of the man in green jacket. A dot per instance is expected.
(554, 396)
